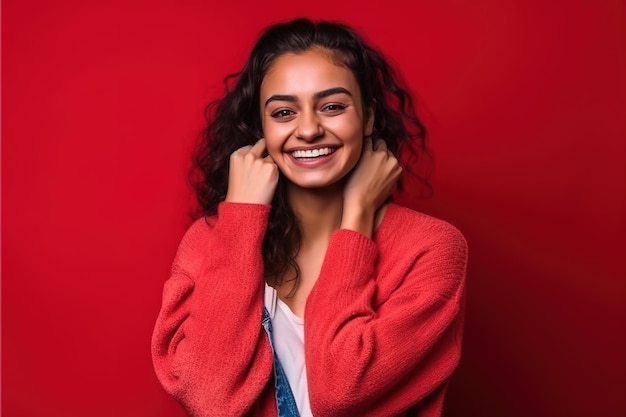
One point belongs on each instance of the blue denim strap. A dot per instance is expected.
(285, 400)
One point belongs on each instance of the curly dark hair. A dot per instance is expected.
(234, 121)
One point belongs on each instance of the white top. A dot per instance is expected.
(288, 339)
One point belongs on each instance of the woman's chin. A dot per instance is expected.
(316, 184)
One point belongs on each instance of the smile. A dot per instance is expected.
(312, 153)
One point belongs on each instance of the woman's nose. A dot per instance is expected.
(309, 126)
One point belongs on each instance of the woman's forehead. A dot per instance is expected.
(306, 73)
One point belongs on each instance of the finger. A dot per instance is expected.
(243, 150)
(268, 158)
(258, 148)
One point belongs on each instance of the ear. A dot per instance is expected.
(368, 125)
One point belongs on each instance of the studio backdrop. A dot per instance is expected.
(525, 104)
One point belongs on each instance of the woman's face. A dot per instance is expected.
(312, 118)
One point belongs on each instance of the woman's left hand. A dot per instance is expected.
(373, 180)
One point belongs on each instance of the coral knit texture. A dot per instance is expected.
(382, 325)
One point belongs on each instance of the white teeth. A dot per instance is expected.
(312, 153)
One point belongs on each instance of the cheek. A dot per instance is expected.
(272, 136)
(355, 153)
(274, 143)
(273, 147)
(348, 127)
(277, 135)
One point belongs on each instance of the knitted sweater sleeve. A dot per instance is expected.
(379, 360)
(208, 347)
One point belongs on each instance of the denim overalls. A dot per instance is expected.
(284, 397)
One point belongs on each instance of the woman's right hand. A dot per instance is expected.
(252, 177)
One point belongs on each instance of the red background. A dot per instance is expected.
(526, 105)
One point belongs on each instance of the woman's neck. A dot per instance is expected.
(319, 210)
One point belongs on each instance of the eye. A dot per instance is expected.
(282, 114)
(334, 108)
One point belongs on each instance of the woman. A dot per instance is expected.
(303, 290)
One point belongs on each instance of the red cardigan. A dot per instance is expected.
(382, 329)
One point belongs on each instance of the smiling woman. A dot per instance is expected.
(304, 290)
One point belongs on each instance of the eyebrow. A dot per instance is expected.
(316, 96)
